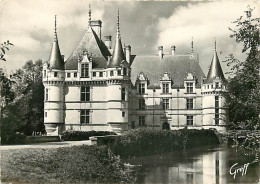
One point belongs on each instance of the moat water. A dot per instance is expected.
(203, 165)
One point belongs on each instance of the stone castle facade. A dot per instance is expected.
(104, 87)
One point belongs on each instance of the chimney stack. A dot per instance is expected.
(160, 51)
(108, 41)
(173, 48)
(96, 26)
(128, 53)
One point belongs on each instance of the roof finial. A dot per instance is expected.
(192, 44)
(55, 29)
(89, 14)
(215, 44)
(118, 31)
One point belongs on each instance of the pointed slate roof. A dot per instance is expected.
(94, 46)
(177, 67)
(215, 69)
(118, 53)
(56, 60)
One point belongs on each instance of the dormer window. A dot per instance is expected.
(111, 73)
(165, 83)
(119, 72)
(165, 88)
(141, 89)
(85, 70)
(217, 85)
(189, 87)
(124, 71)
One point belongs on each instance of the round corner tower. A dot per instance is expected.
(53, 81)
(215, 98)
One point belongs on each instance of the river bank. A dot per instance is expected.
(88, 164)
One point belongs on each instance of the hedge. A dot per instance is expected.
(83, 135)
(142, 142)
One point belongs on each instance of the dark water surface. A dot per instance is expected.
(202, 165)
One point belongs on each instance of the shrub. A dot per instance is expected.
(83, 135)
(144, 141)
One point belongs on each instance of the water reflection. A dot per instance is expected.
(201, 165)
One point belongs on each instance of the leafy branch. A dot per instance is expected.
(4, 47)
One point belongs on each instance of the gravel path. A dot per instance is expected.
(46, 145)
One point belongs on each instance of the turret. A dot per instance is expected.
(53, 81)
(118, 53)
(215, 97)
(118, 87)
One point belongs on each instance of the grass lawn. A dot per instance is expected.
(77, 164)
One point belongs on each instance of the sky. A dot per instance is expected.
(145, 25)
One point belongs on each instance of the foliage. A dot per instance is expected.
(144, 141)
(7, 95)
(23, 96)
(245, 84)
(83, 135)
(77, 164)
(4, 47)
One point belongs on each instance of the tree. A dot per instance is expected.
(245, 84)
(24, 114)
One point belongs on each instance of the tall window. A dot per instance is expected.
(141, 89)
(68, 75)
(84, 70)
(94, 74)
(165, 88)
(141, 120)
(123, 94)
(217, 110)
(44, 73)
(189, 103)
(189, 87)
(141, 104)
(100, 74)
(165, 104)
(217, 116)
(55, 74)
(46, 94)
(124, 71)
(75, 74)
(216, 101)
(189, 120)
(85, 94)
(84, 116)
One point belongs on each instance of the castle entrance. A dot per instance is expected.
(165, 126)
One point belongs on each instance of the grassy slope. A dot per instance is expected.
(79, 164)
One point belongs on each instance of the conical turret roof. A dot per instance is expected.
(56, 60)
(215, 69)
(118, 53)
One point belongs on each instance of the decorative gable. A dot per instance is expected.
(166, 77)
